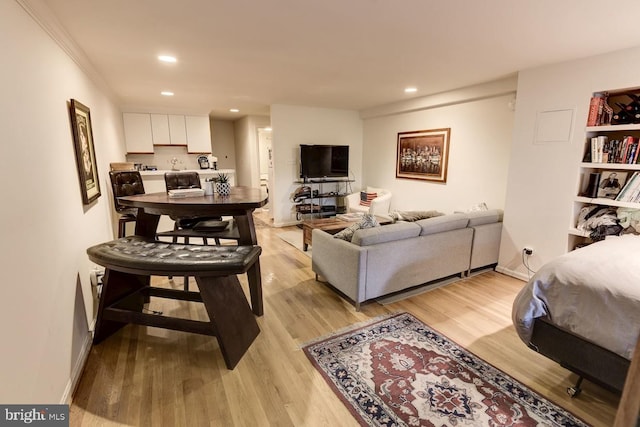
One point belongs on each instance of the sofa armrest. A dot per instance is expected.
(352, 200)
(380, 205)
(340, 263)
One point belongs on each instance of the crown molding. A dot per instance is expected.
(43, 16)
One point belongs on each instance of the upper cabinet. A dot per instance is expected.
(143, 131)
(160, 129)
(177, 130)
(137, 133)
(198, 134)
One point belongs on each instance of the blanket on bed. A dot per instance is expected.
(593, 292)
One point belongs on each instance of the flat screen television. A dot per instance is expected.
(324, 161)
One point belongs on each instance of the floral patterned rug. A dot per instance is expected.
(397, 371)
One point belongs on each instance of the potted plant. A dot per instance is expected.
(222, 184)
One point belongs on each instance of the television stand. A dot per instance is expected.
(325, 199)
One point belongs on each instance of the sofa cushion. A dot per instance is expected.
(484, 217)
(386, 233)
(413, 215)
(367, 221)
(443, 223)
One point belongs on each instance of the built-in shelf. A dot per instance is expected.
(589, 180)
(619, 166)
(581, 233)
(612, 128)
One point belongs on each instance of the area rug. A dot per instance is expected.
(399, 372)
(294, 238)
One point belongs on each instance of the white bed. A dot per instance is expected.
(592, 293)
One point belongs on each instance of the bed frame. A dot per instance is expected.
(584, 358)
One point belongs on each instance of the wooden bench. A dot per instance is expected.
(130, 261)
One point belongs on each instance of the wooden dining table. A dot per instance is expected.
(240, 204)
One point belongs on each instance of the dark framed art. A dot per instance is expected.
(423, 154)
(85, 151)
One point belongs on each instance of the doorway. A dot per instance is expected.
(265, 154)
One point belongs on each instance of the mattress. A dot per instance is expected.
(592, 292)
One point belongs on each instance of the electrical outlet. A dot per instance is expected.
(95, 277)
(528, 250)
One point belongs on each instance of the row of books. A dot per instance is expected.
(631, 190)
(600, 113)
(603, 150)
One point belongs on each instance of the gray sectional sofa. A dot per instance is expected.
(383, 260)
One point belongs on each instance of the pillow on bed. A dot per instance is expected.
(367, 221)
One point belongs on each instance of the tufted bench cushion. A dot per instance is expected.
(139, 255)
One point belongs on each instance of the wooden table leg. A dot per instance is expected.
(247, 231)
(115, 286)
(255, 288)
(229, 312)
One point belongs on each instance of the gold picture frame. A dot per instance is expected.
(423, 155)
(85, 151)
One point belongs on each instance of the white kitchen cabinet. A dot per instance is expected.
(177, 130)
(137, 132)
(160, 129)
(198, 134)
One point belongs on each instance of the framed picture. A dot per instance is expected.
(85, 152)
(611, 182)
(423, 154)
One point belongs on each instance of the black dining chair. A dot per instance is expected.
(125, 183)
(210, 227)
(201, 227)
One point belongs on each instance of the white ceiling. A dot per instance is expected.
(351, 54)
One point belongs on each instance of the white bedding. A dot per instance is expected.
(593, 292)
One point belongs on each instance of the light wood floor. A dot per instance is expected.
(146, 376)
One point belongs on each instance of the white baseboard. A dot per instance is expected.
(77, 370)
(512, 273)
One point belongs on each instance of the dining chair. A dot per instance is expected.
(202, 226)
(125, 183)
(199, 227)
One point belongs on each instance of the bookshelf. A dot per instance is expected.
(608, 156)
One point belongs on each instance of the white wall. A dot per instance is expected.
(246, 146)
(543, 178)
(481, 127)
(45, 313)
(294, 125)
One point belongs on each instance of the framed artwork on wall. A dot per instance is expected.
(423, 154)
(85, 151)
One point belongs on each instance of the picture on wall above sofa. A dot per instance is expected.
(423, 155)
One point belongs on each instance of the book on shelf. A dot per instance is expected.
(605, 150)
(600, 113)
(598, 144)
(630, 192)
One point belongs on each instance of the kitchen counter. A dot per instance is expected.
(200, 171)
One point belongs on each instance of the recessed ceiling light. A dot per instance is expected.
(167, 58)
(268, 129)
(234, 110)
(410, 90)
(166, 93)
